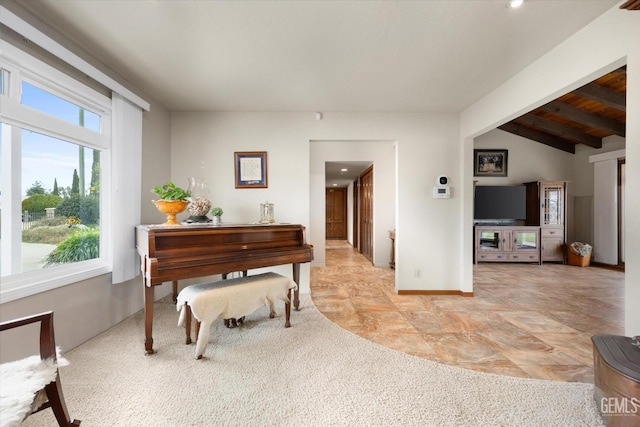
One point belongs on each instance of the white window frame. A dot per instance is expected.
(23, 67)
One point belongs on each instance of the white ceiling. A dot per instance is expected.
(337, 176)
(384, 56)
(338, 56)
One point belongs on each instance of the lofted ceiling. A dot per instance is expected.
(583, 116)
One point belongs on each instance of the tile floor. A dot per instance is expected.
(524, 320)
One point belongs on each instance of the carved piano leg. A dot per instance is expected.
(148, 318)
(296, 291)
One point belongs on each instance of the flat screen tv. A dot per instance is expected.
(500, 202)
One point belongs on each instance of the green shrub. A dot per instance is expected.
(69, 206)
(85, 208)
(82, 245)
(38, 202)
(89, 213)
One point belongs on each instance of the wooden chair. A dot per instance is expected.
(43, 393)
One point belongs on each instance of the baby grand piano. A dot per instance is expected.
(171, 253)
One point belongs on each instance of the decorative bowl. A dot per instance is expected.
(171, 208)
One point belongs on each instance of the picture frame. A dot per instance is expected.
(250, 169)
(490, 162)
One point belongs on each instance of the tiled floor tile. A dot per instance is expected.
(520, 322)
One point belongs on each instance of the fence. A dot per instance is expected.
(29, 218)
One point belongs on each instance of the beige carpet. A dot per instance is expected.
(312, 374)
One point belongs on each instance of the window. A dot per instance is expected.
(55, 143)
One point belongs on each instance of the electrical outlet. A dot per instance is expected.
(417, 273)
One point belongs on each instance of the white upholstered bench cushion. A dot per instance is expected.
(232, 298)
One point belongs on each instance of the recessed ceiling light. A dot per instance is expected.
(335, 185)
(344, 170)
(515, 3)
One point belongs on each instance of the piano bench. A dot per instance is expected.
(230, 299)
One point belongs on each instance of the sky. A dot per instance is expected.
(47, 159)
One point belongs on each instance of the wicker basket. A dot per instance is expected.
(575, 259)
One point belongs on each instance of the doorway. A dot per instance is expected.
(345, 202)
(328, 158)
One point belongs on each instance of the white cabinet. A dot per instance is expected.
(507, 244)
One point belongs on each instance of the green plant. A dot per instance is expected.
(82, 245)
(170, 191)
(85, 208)
(39, 202)
(217, 211)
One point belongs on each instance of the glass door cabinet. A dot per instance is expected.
(546, 207)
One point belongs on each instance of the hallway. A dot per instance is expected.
(525, 320)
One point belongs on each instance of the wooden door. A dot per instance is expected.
(355, 237)
(366, 213)
(336, 213)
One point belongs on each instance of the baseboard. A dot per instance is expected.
(608, 266)
(426, 292)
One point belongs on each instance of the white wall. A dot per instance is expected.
(607, 43)
(582, 187)
(426, 147)
(527, 160)
(605, 212)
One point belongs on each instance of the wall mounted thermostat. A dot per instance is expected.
(442, 190)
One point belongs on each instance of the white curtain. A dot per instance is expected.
(126, 171)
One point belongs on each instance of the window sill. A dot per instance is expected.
(35, 282)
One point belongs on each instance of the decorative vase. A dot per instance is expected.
(200, 200)
(171, 208)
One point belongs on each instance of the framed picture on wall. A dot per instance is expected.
(250, 168)
(490, 162)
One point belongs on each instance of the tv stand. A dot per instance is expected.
(507, 244)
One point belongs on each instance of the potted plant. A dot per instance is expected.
(173, 200)
(217, 214)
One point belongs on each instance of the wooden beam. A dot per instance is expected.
(560, 130)
(631, 5)
(586, 118)
(541, 137)
(603, 95)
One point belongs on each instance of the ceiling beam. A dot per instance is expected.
(559, 130)
(541, 137)
(586, 118)
(631, 5)
(609, 97)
